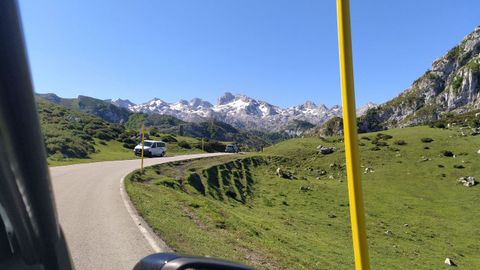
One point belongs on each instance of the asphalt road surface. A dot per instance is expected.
(100, 231)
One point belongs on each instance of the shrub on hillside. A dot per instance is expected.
(447, 153)
(211, 146)
(153, 131)
(382, 136)
(381, 143)
(438, 125)
(169, 139)
(400, 142)
(426, 140)
(184, 144)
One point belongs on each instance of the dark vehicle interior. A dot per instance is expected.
(30, 234)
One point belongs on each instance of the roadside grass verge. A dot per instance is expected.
(416, 213)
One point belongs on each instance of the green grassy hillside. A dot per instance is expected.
(74, 137)
(236, 207)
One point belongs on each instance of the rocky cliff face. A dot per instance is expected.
(452, 85)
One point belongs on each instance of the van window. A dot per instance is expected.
(161, 144)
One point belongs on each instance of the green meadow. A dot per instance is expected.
(237, 207)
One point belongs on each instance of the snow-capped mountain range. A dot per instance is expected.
(238, 110)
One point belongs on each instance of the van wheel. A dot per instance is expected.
(163, 154)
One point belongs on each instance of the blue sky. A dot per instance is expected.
(280, 51)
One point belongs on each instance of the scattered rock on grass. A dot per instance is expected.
(424, 158)
(389, 233)
(283, 174)
(368, 170)
(305, 188)
(468, 181)
(450, 262)
(324, 150)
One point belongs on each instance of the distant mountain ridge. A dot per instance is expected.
(238, 110)
(100, 108)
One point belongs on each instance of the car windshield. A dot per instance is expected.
(263, 147)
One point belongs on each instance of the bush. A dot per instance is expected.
(381, 143)
(375, 148)
(365, 138)
(382, 136)
(458, 166)
(184, 144)
(426, 140)
(129, 145)
(169, 139)
(400, 142)
(153, 131)
(211, 146)
(447, 153)
(438, 125)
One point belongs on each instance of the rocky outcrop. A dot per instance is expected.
(333, 127)
(468, 181)
(452, 85)
(324, 150)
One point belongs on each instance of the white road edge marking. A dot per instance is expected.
(141, 224)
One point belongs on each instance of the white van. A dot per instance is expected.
(151, 149)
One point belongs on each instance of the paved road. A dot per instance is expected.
(100, 232)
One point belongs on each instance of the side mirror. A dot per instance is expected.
(171, 261)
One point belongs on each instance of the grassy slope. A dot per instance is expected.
(282, 227)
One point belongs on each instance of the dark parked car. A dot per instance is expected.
(231, 148)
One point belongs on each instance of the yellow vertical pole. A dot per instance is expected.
(143, 144)
(352, 156)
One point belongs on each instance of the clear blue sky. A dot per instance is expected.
(281, 51)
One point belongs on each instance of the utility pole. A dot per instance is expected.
(352, 155)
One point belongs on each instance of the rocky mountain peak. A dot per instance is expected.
(183, 102)
(226, 98)
(197, 102)
(309, 105)
(122, 103)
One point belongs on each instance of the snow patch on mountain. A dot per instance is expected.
(238, 110)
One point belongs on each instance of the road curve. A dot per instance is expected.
(100, 232)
